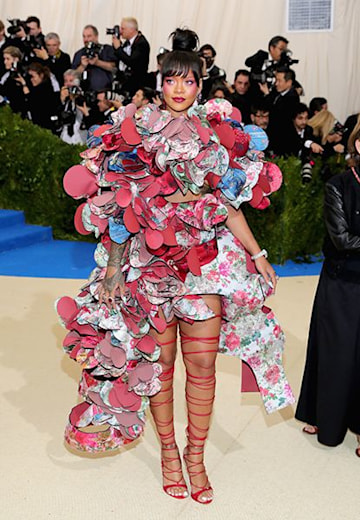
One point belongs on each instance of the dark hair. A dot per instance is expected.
(40, 69)
(299, 108)
(180, 63)
(148, 93)
(316, 104)
(289, 74)
(259, 106)
(277, 39)
(184, 40)
(31, 19)
(242, 72)
(93, 28)
(208, 47)
(219, 86)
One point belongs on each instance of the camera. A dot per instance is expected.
(267, 74)
(15, 26)
(114, 31)
(92, 50)
(16, 70)
(306, 172)
(286, 59)
(338, 129)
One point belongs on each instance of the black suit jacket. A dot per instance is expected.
(137, 63)
(280, 122)
(294, 144)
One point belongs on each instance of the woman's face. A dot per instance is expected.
(357, 146)
(35, 78)
(180, 93)
(9, 60)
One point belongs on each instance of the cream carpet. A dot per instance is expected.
(261, 467)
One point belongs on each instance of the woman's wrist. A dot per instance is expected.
(261, 253)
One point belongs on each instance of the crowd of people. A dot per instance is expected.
(41, 82)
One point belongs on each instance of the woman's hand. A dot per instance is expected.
(113, 282)
(267, 271)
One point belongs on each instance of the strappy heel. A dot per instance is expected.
(357, 450)
(167, 472)
(192, 472)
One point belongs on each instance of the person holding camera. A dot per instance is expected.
(34, 30)
(132, 52)
(74, 110)
(213, 73)
(11, 82)
(4, 42)
(95, 62)
(329, 132)
(41, 100)
(53, 57)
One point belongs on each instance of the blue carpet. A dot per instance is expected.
(63, 259)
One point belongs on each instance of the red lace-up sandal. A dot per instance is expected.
(200, 392)
(171, 471)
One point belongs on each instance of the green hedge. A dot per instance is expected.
(33, 162)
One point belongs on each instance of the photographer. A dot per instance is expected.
(328, 132)
(213, 73)
(42, 101)
(53, 57)
(95, 62)
(74, 111)
(132, 52)
(11, 82)
(35, 31)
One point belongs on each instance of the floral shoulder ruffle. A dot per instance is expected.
(147, 154)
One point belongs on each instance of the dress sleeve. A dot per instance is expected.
(336, 223)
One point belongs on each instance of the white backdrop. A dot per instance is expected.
(329, 61)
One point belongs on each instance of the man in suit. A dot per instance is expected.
(299, 140)
(281, 101)
(213, 73)
(132, 52)
(262, 59)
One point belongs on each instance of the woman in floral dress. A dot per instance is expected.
(163, 189)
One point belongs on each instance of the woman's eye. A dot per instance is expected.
(190, 82)
(169, 81)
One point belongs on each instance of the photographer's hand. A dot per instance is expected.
(84, 62)
(316, 148)
(41, 53)
(84, 109)
(64, 93)
(94, 61)
(20, 79)
(116, 42)
(264, 88)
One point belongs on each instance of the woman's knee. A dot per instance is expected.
(167, 357)
(200, 363)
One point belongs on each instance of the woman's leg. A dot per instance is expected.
(199, 343)
(161, 406)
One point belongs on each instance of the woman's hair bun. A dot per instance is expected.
(184, 40)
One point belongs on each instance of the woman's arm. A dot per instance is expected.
(114, 278)
(236, 222)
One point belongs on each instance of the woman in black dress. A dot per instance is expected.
(330, 392)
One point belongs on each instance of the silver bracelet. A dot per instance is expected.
(263, 252)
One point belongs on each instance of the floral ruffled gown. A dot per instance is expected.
(174, 252)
